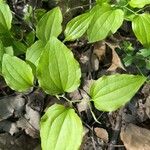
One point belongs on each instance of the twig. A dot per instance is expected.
(90, 4)
(116, 132)
(78, 7)
(93, 115)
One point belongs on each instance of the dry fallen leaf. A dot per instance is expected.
(9, 127)
(11, 106)
(98, 54)
(102, 134)
(135, 138)
(100, 50)
(146, 89)
(116, 62)
(147, 106)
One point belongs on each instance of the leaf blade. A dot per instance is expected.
(58, 71)
(141, 28)
(61, 128)
(138, 3)
(34, 52)
(5, 17)
(111, 92)
(105, 21)
(18, 75)
(49, 25)
(77, 26)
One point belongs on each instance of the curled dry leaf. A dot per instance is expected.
(9, 127)
(11, 105)
(116, 62)
(147, 106)
(85, 61)
(30, 122)
(83, 105)
(135, 138)
(98, 54)
(101, 133)
(146, 90)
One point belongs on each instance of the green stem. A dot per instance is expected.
(130, 10)
(93, 115)
(142, 9)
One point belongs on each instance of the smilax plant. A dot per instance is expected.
(49, 61)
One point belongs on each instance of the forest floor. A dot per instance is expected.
(127, 128)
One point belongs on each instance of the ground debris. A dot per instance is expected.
(135, 138)
(116, 61)
(102, 134)
(21, 142)
(11, 106)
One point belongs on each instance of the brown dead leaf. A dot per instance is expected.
(83, 105)
(135, 138)
(116, 62)
(11, 106)
(146, 89)
(100, 50)
(101, 133)
(98, 54)
(147, 106)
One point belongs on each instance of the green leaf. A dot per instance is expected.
(58, 71)
(128, 60)
(19, 47)
(5, 17)
(77, 26)
(49, 25)
(102, 1)
(139, 3)
(2, 50)
(147, 64)
(61, 129)
(106, 21)
(141, 28)
(34, 52)
(30, 38)
(18, 75)
(122, 2)
(9, 50)
(144, 52)
(111, 92)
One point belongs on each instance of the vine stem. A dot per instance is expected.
(69, 101)
(78, 7)
(130, 10)
(142, 9)
(93, 115)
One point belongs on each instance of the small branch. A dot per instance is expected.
(129, 10)
(78, 7)
(116, 132)
(93, 115)
(90, 4)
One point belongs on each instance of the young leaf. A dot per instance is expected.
(105, 21)
(18, 75)
(141, 28)
(5, 17)
(61, 129)
(144, 52)
(49, 25)
(34, 52)
(58, 71)
(138, 3)
(111, 92)
(77, 26)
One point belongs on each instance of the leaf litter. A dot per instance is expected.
(20, 114)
